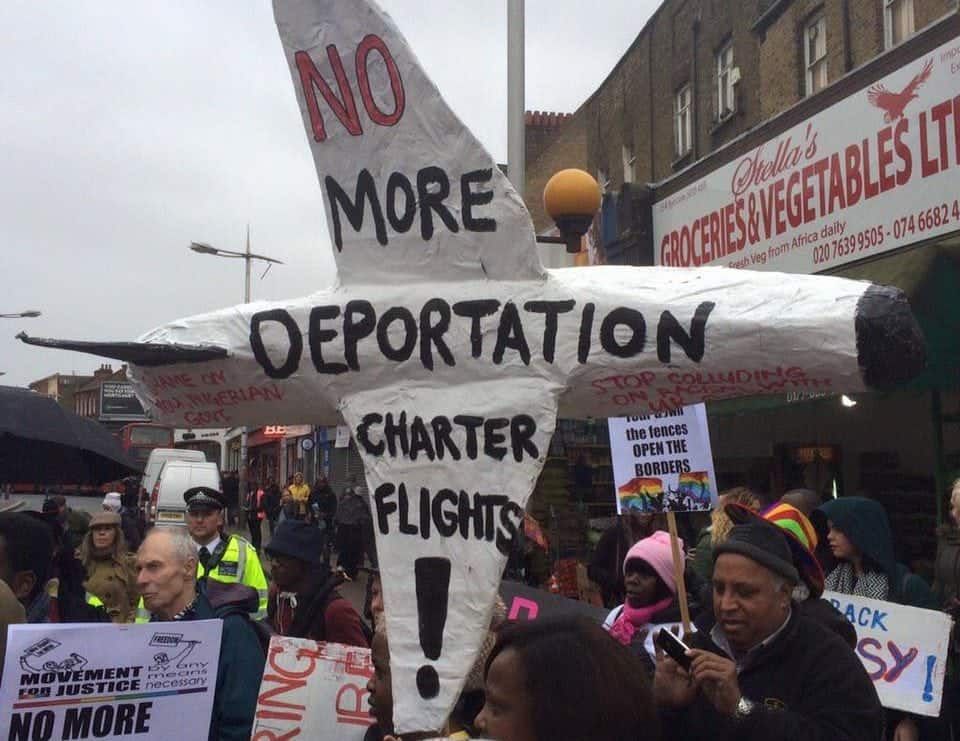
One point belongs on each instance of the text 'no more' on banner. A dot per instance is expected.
(150, 682)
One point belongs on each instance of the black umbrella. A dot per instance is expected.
(42, 443)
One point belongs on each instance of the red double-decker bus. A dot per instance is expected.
(139, 438)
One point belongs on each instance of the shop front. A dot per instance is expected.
(299, 452)
(854, 189)
(843, 183)
(263, 454)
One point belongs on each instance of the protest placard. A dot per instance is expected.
(904, 650)
(313, 690)
(663, 462)
(448, 349)
(530, 603)
(150, 681)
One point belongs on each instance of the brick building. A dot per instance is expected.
(86, 400)
(702, 74)
(108, 398)
(60, 386)
(784, 90)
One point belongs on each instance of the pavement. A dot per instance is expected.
(355, 592)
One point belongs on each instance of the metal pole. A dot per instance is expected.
(242, 473)
(940, 466)
(247, 260)
(516, 128)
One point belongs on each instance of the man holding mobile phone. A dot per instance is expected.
(764, 671)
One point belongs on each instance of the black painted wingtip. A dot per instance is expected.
(891, 349)
(145, 354)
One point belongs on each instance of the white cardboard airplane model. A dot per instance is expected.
(449, 350)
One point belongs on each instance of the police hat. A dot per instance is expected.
(203, 497)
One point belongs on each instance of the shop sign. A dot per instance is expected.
(275, 431)
(663, 462)
(871, 173)
(297, 431)
(813, 454)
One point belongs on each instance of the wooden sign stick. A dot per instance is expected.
(678, 569)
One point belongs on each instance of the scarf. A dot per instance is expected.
(631, 618)
(287, 604)
(870, 584)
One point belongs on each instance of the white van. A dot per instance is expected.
(159, 456)
(166, 500)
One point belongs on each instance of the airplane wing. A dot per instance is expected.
(146, 354)
(406, 186)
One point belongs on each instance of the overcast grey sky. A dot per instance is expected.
(128, 129)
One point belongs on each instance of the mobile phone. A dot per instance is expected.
(674, 647)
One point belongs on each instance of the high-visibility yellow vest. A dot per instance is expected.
(238, 562)
(94, 601)
(234, 560)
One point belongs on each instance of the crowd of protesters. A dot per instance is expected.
(768, 657)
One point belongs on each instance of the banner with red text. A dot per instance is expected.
(313, 690)
(876, 171)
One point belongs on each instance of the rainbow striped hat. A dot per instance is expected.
(801, 536)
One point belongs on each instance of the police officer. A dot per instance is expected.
(221, 556)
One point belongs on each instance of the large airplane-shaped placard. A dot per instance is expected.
(449, 350)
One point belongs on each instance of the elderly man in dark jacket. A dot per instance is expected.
(765, 671)
(167, 573)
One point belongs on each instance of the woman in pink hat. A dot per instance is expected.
(651, 591)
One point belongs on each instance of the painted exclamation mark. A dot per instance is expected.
(928, 685)
(433, 589)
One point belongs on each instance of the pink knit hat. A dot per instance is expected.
(656, 551)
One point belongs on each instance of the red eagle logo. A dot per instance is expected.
(892, 104)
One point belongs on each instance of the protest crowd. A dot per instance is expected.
(423, 599)
(766, 657)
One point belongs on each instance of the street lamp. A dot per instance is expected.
(248, 257)
(572, 198)
(29, 314)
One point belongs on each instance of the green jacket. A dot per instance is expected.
(239, 669)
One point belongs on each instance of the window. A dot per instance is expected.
(727, 76)
(815, 54)
(682, 125)
(603, 180)
(629, 162)
(897, 21)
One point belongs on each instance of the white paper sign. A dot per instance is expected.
(448, 349)
(663, 462)
(904, 650)
(343, 437)
(873, 172)
(449, 471)
(313, 690)
(149, 681)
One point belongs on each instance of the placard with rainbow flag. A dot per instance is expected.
(663, 462)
